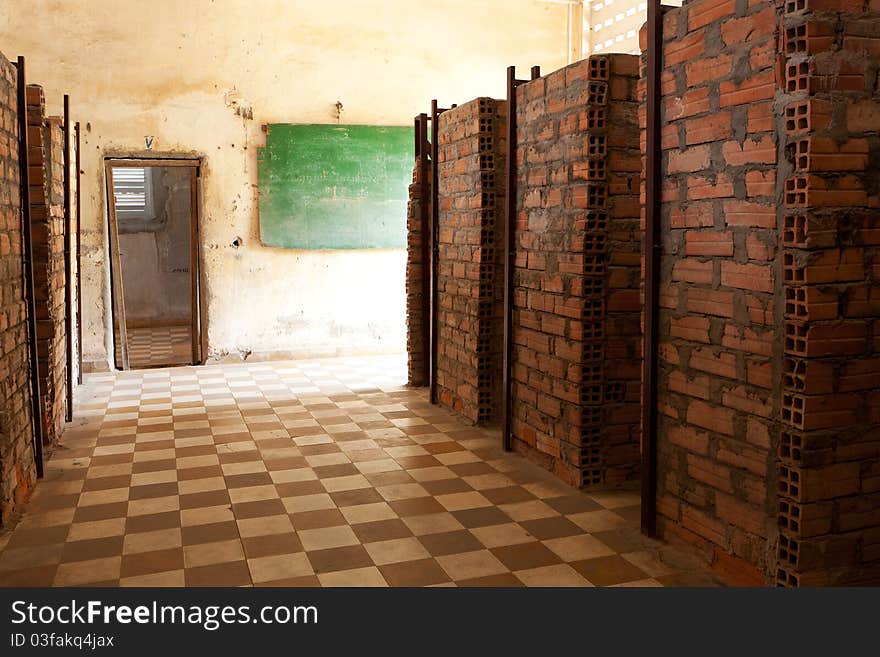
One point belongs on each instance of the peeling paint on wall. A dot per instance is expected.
(238, 104)
(208, 92)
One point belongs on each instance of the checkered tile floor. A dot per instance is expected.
(305, 473)
(159, 346)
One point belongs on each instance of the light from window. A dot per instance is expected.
(132, 191)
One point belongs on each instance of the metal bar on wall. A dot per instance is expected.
(68, 272)
(435, 252)
(79, 340)
(652, 270)
(416, 144)
(28, 266)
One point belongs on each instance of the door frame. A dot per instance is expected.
(117, 305)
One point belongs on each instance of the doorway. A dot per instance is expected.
(154, 262)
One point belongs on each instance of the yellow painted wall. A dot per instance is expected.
(191, 73)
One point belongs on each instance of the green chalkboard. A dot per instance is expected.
(335, 186)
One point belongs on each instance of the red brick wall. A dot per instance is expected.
(416, 286)
(719, 345)
(576, 361)
(46, 170)
(470, 280)
(17, 472)
(768, 437)
(829, 448)
(57, 362)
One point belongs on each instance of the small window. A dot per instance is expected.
(133, 190)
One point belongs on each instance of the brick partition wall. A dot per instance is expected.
(46, 170)
(17, 471)
(470, 279)
(768, 429)
(416, 286)
(57, 362)
(576, 334)
(719, 352)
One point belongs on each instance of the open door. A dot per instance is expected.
(154, 257)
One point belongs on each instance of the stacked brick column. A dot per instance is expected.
(576, 363)
(17, 471)
(829, 448)
(46, 171)
(471, 161)
(416, 286)
(768, 430)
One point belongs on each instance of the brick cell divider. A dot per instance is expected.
(470, 283)
(718, 350)
(576, 353)
(18, 468)
(418, 245)
(46, 174)
(768, 442)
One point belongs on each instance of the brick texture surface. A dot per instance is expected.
(470, 278)
(46, 170)
(768, 429)
(829, 445)
(576, 334)
(416, 285)
(17, 472)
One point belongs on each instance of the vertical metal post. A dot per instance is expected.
(509, 259)
(416, 145)
(79, 341)
(652, 270)
(28, 266)
(68, 272)
(435, 251)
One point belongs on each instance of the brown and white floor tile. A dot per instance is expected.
(310, 473)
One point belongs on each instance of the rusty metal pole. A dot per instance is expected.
(416, 145)
(28, 266)
(510, 254)
(435, 251)
(652, 270)
(68, 272)
(79, 340)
